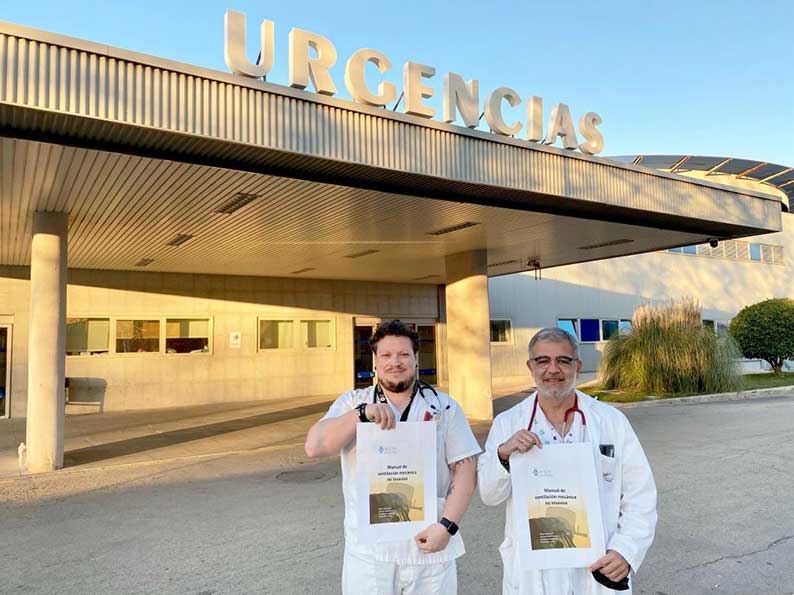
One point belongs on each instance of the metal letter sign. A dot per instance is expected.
(459, 99)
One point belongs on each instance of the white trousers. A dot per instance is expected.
(367, 577)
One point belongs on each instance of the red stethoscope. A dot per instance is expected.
(570, 411)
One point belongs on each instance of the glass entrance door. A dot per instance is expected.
(5, 369)
(364, 374)
(427, 353)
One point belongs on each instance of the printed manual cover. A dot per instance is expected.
(556, 507)
(558, 518)
(396, 480)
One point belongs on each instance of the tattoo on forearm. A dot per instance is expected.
(454, 466)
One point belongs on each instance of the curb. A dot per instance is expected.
(715, 398)
(80, 470)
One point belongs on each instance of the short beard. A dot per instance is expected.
(398, 387)
(563, 393)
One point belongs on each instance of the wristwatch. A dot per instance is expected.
(362, 412)
(451, 527)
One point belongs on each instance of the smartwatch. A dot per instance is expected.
(362, 412)
(451, 527)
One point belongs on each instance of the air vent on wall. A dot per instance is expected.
(606, 244)
(179, 239)
(143, 262)
(299, 271)
(360, 254)
(503, 263)
(451, 228)
(238, 201)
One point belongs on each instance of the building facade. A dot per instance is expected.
(172, 235)
(596, 299)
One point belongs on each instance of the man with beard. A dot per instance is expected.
(426, 564)
(558, 414)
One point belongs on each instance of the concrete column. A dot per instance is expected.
(469, 333)
(46, 346)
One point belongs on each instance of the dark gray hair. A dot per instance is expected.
(556, 335)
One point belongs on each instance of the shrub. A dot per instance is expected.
(766, 331)
(670, 351)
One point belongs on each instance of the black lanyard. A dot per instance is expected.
(380, 397)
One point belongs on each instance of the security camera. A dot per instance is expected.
(713, 242)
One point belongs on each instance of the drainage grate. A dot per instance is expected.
(304, 476)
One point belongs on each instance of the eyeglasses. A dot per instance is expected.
(562, 361)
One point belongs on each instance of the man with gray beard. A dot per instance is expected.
(558, 414)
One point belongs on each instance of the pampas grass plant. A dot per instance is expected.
(668, 350)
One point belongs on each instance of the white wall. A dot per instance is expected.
(136, 381)
(613, 288)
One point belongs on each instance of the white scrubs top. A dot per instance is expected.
(455, 442)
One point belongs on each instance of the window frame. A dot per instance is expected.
(578, 326)
(581, 340)
(260, 349)
(210, 337)
(510, 334)
(162, 320)
(110, 350)
(299, 338)
(617, 328)
(160, 340)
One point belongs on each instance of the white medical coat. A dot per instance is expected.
(454, 442)
(628, 502)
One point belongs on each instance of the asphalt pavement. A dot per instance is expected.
(266, 520)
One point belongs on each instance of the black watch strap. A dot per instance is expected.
(451, 527)
(362, 412)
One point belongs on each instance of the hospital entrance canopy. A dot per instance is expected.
(169, 167)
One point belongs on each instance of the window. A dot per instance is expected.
(317, 334)
(569, 325)
(276, 334)
(594, 330)
(736, 250)
(137, 336)
(709, 324)
(609, 328)
(590, 330)
(87, 336)
(501, 331)
(187, 335)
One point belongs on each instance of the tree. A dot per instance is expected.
(766, 331)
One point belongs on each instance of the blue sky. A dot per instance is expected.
(701, 77)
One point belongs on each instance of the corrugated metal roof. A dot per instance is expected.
(125, 209)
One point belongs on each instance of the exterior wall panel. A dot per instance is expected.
(613, 288)
(142, 381)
